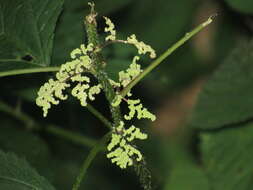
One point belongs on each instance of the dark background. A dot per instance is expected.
(170, 91)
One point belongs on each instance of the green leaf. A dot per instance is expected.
(26, 32)
(178, 162)
(227, 96)
(16, 173)
(68, 38)
(227, 157)
(187, 177)
(245, 6)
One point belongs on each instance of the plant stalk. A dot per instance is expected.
(87, 162)
(29, 71)
(51, 129)
(91, 30)
(168, 52)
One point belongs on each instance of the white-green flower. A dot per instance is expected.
(121, 151)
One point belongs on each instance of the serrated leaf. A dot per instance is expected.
(16, 173)
(227, 157)
(245, 6)
(227, 96)
(26, 32)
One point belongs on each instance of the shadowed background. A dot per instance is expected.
(170, 91)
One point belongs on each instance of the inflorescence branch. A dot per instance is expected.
(121, 148)
(72, 76)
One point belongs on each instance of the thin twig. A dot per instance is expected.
(70, 136)
(29, 71)
(168, 52)
(102, 46)
(31, 124)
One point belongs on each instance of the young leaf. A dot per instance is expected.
(16, 173)
(26, 32)
(227, 157)
(227, 96)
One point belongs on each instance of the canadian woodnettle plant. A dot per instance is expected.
(75, 75)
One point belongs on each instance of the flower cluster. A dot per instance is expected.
(70, 72)
(125, 77)
(111, 29)
(136, 107)
(124, 154)
(120, 150)
(141, 46)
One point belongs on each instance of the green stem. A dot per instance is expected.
(28, 71)
(28, 121)
(57, 131)
(155, 63)
(87, 162)
(99, 116)
(73, 137)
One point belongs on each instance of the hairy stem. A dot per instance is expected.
(91, 29)
(169, 51)
(87, 162)
(29, 71)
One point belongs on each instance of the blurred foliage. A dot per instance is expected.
(17, 174)
(220, 102)
(25, 144)
(36, 33)
(227, 157)
(193, 178)
(245, 6)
